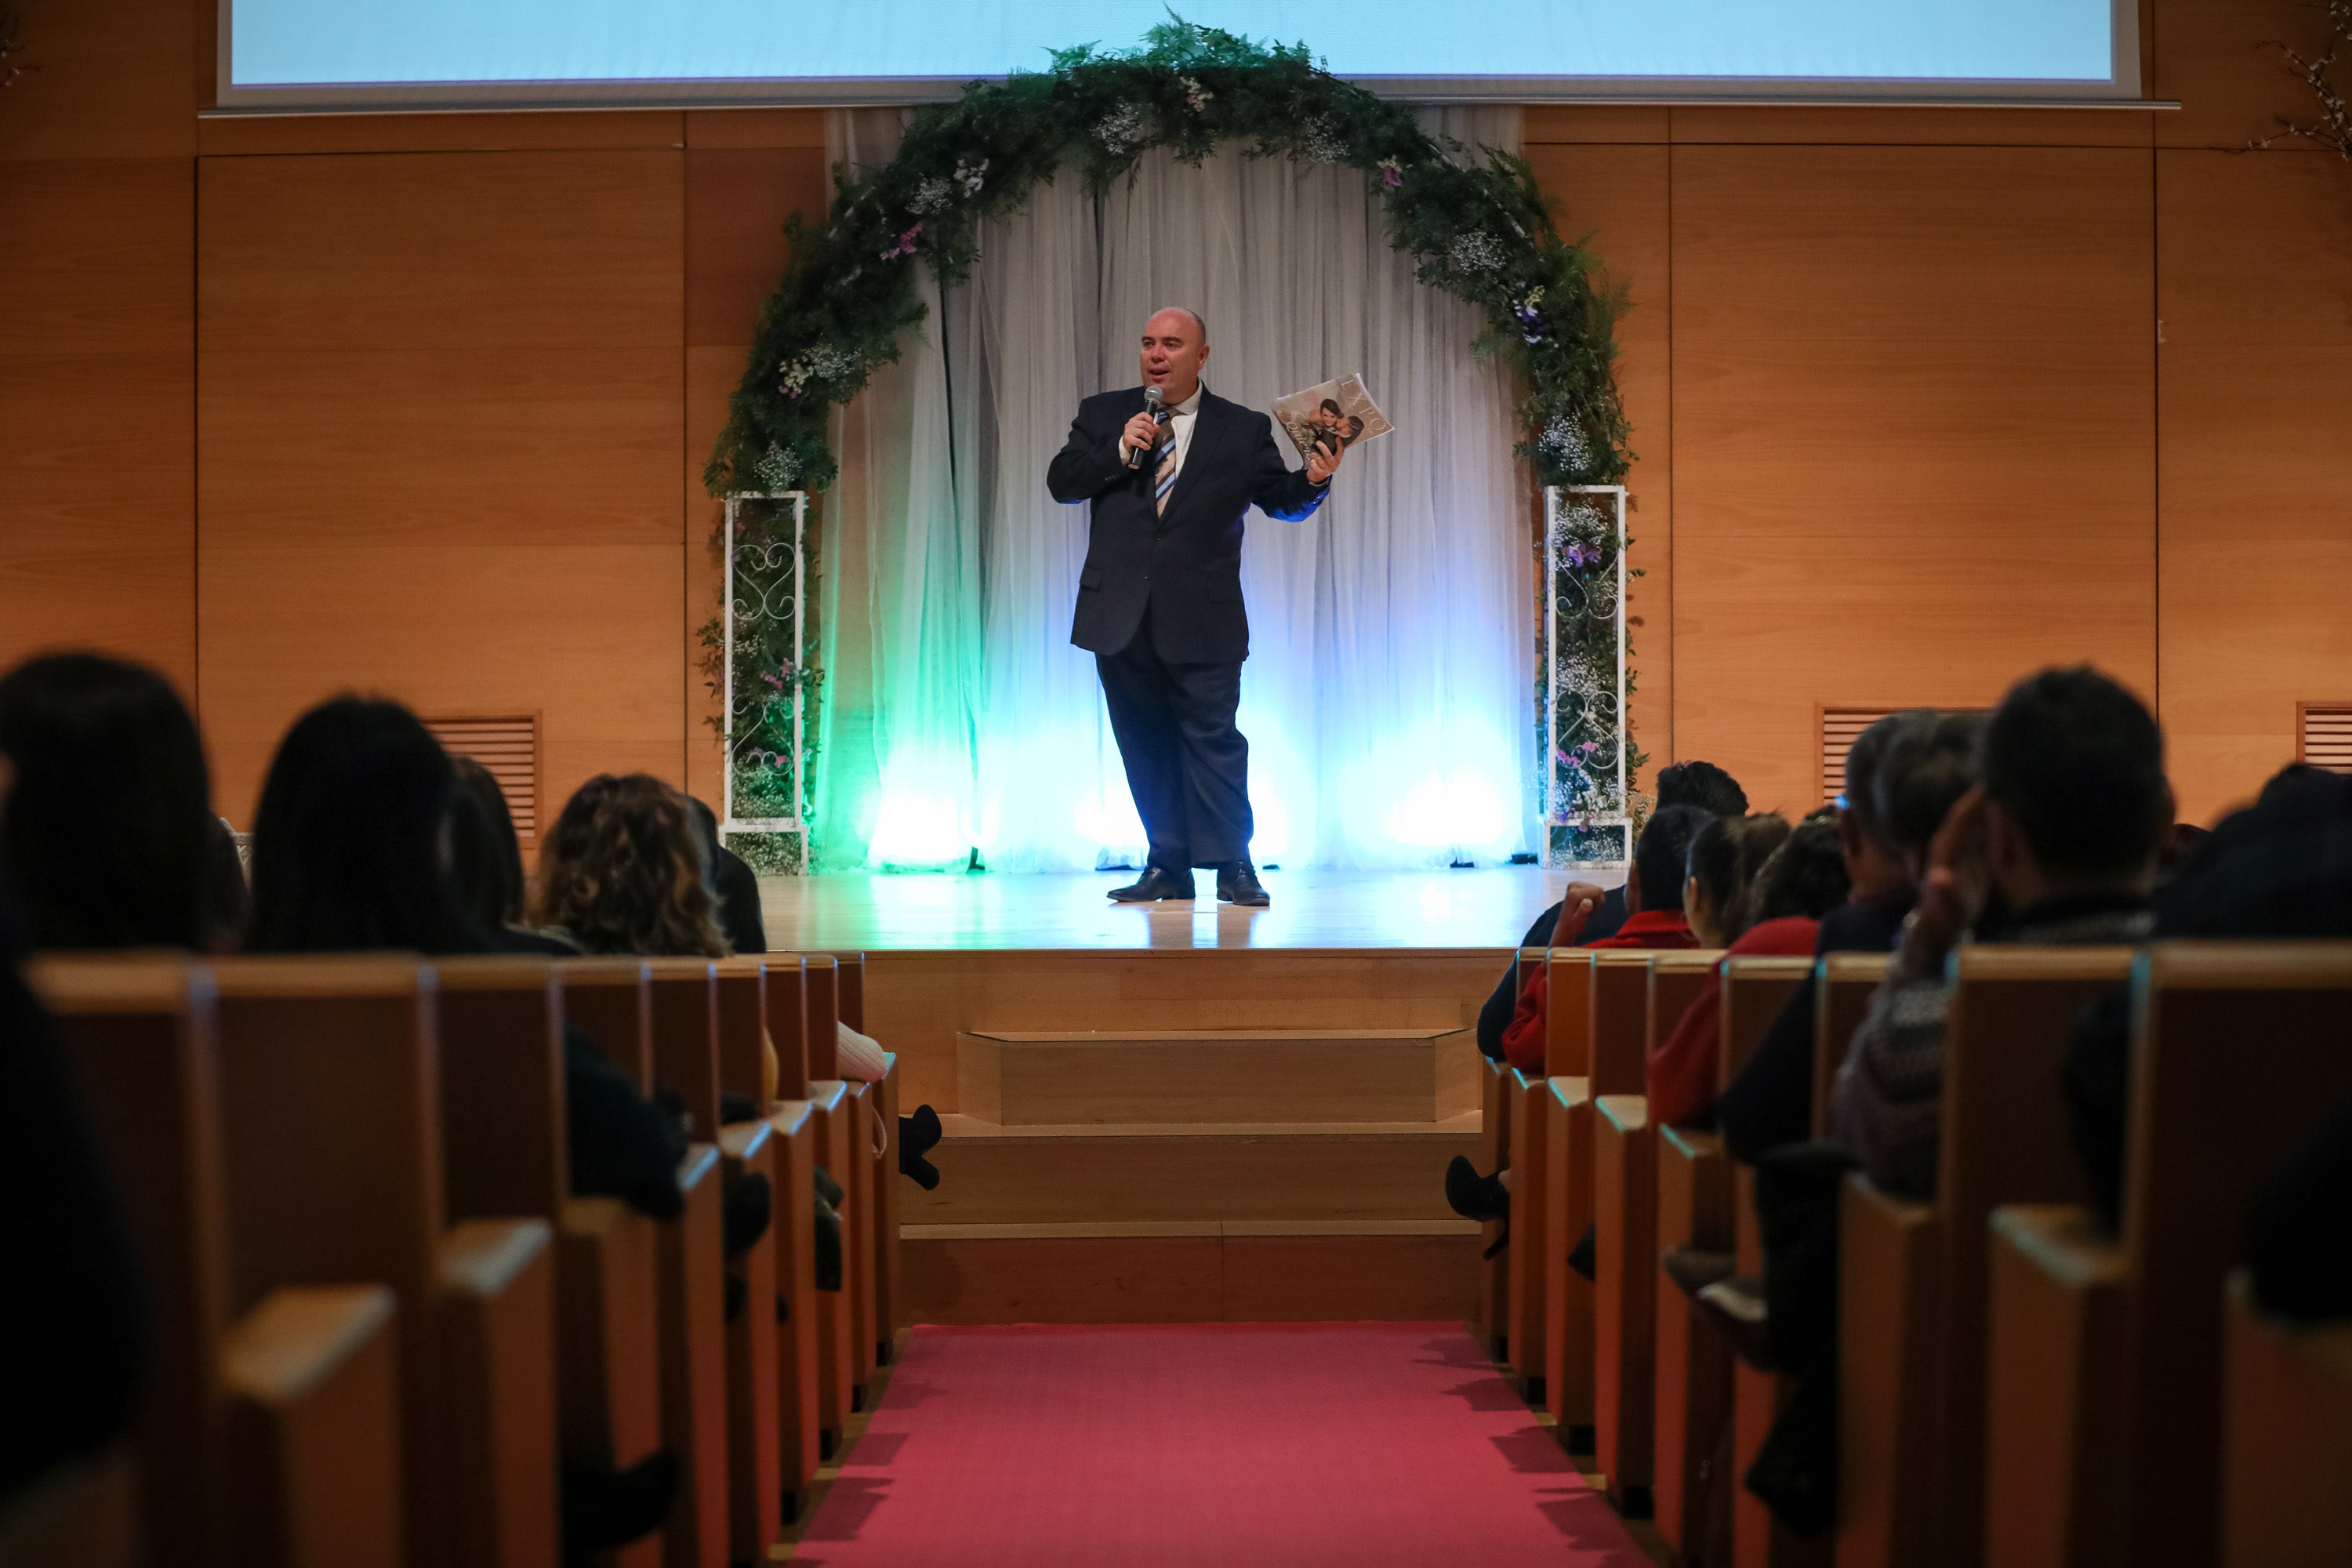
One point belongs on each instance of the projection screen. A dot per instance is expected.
(388, 54)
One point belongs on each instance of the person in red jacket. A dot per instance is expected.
(1745, 902)
(1654, 917)
(1653, 899)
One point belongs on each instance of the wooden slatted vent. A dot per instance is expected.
(506, 744)
(2325, 735)
(1841, 726)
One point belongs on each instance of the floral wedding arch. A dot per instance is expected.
(1476, 224)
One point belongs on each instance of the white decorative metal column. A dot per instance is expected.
(764, 675)
(1584, 801)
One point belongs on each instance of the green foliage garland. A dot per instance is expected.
(1478, 229)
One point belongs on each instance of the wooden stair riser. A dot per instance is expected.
(1293, 1076)
(1017, 1180)
(1190, 1279)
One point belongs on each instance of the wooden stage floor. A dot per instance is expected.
(1441, 909)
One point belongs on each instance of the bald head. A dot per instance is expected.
(1175, 347)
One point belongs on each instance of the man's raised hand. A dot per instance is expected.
(1322, 463)
(1142, 434)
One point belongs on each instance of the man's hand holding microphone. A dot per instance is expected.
(1142, 432)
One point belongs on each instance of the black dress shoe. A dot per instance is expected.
(1238, 884)
(1474, 1196)
(1158, 884)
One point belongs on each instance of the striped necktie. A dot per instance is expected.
(1164, 479)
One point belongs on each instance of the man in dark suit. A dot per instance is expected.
(1160, 601)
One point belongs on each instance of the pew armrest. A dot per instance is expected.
(608, 1338)
(1891, 1317)
(2287, 1437)
(497, 1388)
(313, 1436)
(2054, 1387)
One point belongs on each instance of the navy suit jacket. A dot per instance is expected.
(1185, 564)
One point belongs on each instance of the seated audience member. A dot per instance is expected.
(2282, 868)
(1654, 898)
(1660, 856)
(732, 882)
(485, 863)
(2299, 1228)
(348, 855)
(1902, 774)
(110, 837)
(2063, 831)
(229, 902)
(622, 872)
(74, 1336)
(1776, 914)
(1702, 784)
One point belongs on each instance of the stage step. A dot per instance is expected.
(1061, 1077)
(1122, 1173)
(1194, 1271)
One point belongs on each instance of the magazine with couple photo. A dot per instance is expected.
(1333, 415)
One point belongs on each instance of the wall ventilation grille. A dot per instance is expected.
(1839, 727)
(508, 745)
(2324, 735)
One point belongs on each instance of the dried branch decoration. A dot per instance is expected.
(11, 45)
(2333, 130)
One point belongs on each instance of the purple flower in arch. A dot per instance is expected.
(1391, 172)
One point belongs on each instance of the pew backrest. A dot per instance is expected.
(787, 992)
(507, 1143)
(1755, 989)
(1620, 1011)
(610, 1000)
(850, 992)
(823, 973)
(1568, 1011)
(686, 1037)
(2238, 1048)
(1846, 982)
(1676, 980)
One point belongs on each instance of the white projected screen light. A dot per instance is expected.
(307, 54)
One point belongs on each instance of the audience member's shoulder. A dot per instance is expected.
(1866, 925)
(540, 943)
(1789, 936)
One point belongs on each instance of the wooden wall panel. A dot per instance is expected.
(1617, 195)
(113, 79)
(1913, 436)
(585, 636)
(2254, 258)
(442, 400)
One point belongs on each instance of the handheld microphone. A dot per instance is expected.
(1152, 398)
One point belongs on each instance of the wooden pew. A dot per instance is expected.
(888, 1288)
(259, 1429)
(331, 1115)
(1528, 1260)
(1556, 1302)
(1755, 990)
(84, 1516)
(838, 1136)
(730, 1470)
(1625, 1186)
(2286, 1438)
(1691, 1389)
(1912, 1286)
(2238, 1048)
(1846, 982)
(794, 1120)
(506, 1151)
(1494, 1291)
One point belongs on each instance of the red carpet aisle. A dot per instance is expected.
(1287, 1445)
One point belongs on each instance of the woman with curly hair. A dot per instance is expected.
(623, 872)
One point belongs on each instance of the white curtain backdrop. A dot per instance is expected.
(1388, 695)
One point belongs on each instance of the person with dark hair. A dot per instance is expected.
(622, 873)
(2299, 1228)
(348, 855)
(108, 833)
(732, 882)
(485, 851)
(76, 1336)
(229, 902)
(1699, 784)
(2280, 868)
(2064, 830)
(1769, 1101)
(1774, 909)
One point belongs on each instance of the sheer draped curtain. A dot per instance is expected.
(1388, 696)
